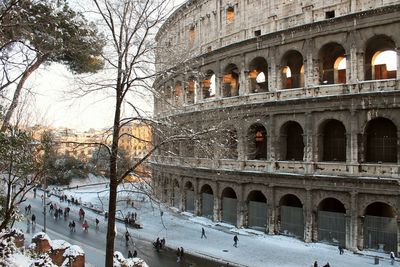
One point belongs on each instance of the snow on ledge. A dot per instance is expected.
(60, 244)
(73, 251)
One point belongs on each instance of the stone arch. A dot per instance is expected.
(189, 196)
(207, 201)
(373, 47)
(258, 75)
(291, 218)
(208, 84)
(257, 142)
(331, 221)
(291, 141)
(176, 193)
(330, 60)
(257, 210)
(229, 205)
(380, 229)
(230, 82)
(292, 71)
(380, 140)
(332, 140)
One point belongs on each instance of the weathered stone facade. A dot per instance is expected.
(315, 153)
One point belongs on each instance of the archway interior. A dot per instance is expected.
(231, 81)
(381, 144)
(257, 196)
(208, 85)
(206, 189)
(334, 141)
(177, 93)
(258, 75)
(228, 192)
(293, 70)
(332, 205)
(294, 144)
(189, 186)
(257, 142)
(333, 60)
(380, 58)
(207, 201)
(291, 201)
(380, 209)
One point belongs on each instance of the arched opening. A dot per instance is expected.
(207, 201)
(230, 14)
(208, 85)
(292, 145)
(191, 90)
(229, 142)
(257, 142)
(258, 75)
(334, 141)
(189, 191)
(230, 86)
(177, 93)
(381, 143)
(333, 64)
(380, 227)
(332, 222)
(229, 206)
(257, 210)
(380, 58)
(176, 194)
(293, 70)
(291, 216)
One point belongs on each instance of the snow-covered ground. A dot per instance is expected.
(184, 230)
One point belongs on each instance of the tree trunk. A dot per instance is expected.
(17, 93)
(113, 179)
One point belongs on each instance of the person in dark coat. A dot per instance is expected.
(33, 219)
(203, 233)
(327, 265)
(235, 240)
(126, 238)
(134, 253)
(341, 250)
(130, 254)
(315, 264)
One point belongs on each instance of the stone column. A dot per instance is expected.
(311, 66)
(217, 204)
(351, 65)
(241, 148)
(351, 234)
(308, 141)
(308, 217)
(272, 71)
(241, 209)
(398, 63)
(243, 88)
(352, 143)
(271, 227)
(197, 204)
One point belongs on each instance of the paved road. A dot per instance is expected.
(93, 242)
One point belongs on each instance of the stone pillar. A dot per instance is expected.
(308, 141)
(351, 65)
(271, 137)
(278, 77)
(241, 148)
(308, 217)
(272, 71)
(352, 143)
(398, 63)
(197, 198)
(217, 204)
(241, 209)
(182, 198)
(271, 227)
(243, 88)
(311, 66)
(352, 229)
(360, 66)
(353, 6)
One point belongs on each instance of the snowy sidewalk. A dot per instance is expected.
(254, 248)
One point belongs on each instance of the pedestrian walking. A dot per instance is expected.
(33, 219)
(130, 255)
(341, 250)
(392, 258)
(134, 253)
(235, 240)
(126, 238)
(34, 192)
(182, 253)
(315, 264)
(97, 224)
(178, 255)
(85, 226)
(203, 233)
(73, 226)
(29, 209)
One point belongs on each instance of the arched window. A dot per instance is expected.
(257, 142)
(333, 64)
(381, 143)
(208, 85)
(230, 85)
(334, 141)
(380, 58)
(258, 75)
(293, 70)
(191, 90)
(292, 141)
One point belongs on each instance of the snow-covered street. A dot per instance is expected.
(184, 230)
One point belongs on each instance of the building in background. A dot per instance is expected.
(306, 98)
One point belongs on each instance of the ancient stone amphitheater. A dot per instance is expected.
(305, 96)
